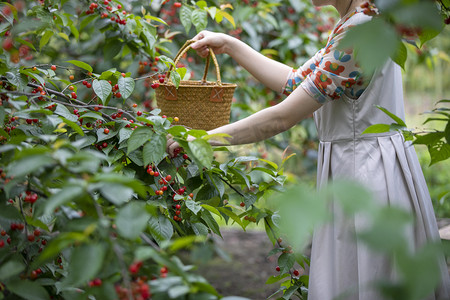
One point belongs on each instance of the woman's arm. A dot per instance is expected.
(265, 123)
(269, 72)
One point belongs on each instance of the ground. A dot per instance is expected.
(249, 267)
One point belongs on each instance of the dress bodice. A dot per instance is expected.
(347, 118)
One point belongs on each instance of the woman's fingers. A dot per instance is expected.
(172, 147)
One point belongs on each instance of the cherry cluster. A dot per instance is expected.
(30, 197)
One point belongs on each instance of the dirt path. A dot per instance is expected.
(249, 267)
(247, 270)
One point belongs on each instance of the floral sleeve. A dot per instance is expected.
(296, 77)
(332, 73)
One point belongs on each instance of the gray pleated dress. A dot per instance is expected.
(384, 163)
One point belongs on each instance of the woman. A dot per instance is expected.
(343, 100)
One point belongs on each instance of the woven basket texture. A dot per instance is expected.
(198, 104)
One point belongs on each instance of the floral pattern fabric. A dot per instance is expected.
(332, 73)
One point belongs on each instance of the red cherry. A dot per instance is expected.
(97, 282)
(296, 273)
(177, 4)
(178, 206)
(31, 238)
(134, 105)
(139, 113)
(53, 67)
(168, 177)
(3, 233)
(278, 268)
(2, 243)
(242, 204)
(74, 95)
(106, 131)
(7, 44)
(37, 232)
(185, 156)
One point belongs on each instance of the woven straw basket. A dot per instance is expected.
(198, 104)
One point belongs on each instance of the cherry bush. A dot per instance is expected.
(91, 205)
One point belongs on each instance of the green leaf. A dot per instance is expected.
(45, 38)
(86, 21)
(249, 199)
(92, 115)
(11, 267)
(401, 55)
(199, 19)
(3, 113)
(274, 279)
(377, 128)
(33, 75)
(138, 138)
(161, 228)
(111, 49)
(74, 126)
(202, 152)
(176, 130)
(102, 89)
(439, 152)
(193, 206)
(429, 138)
(30, 290)
(181, 72)
(373, 42)
(394, 117)
(232, 215)
(10, 213)
(25, 43)
(155, 150)
(125, 134)
(420, 284)
(62, 111)
(286, 262)
(29, 165)
(185, 17)
(212, 209)
(211, 222)
(132, 219)
(122, 179)
(126, 86)
(176, 79)
(67, 194)
(427, 34)
(116, 193)
(85, 262)
(81, 64)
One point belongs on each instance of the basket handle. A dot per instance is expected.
(211, 54)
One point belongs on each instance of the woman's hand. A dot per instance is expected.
(205, 40)
(172, 146)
